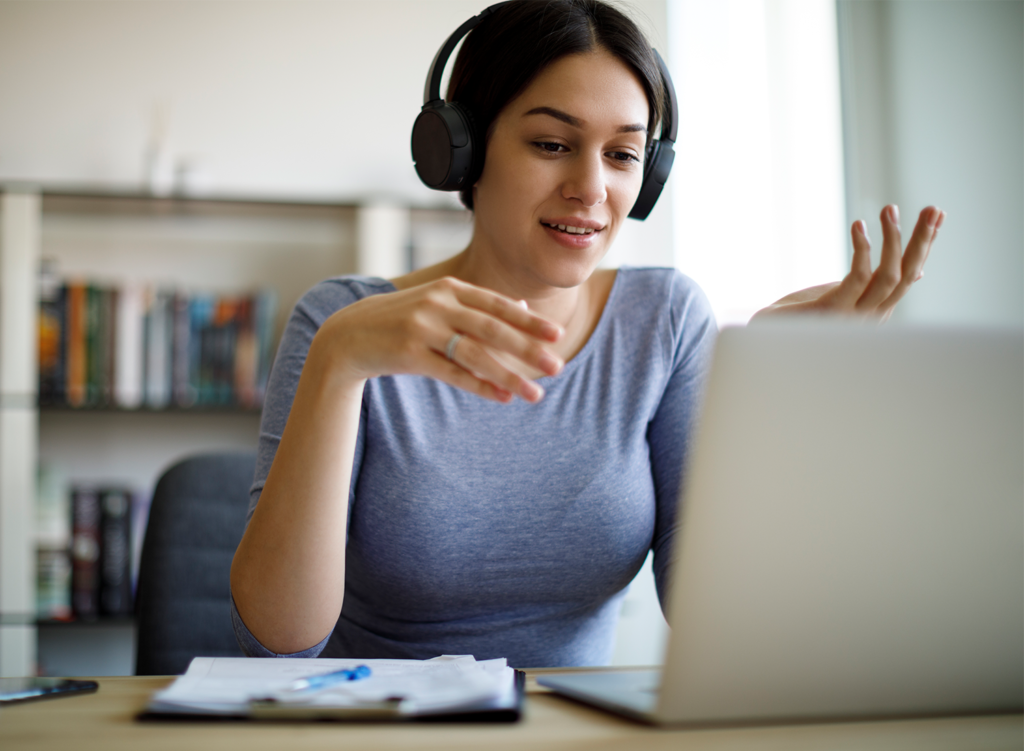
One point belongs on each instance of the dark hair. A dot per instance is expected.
(509, 48)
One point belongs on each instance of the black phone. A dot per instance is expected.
(14, 690)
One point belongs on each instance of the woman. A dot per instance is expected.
(399, 513)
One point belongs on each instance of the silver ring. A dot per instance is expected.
(449, 351)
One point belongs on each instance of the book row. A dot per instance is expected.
(88, 567)
(134, 345)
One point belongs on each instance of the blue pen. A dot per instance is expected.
(317, 682)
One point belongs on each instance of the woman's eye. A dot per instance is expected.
(623, 156)
(550, 146)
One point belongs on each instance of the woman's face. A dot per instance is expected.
(567, 152)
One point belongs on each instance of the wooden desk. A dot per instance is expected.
(104, 721)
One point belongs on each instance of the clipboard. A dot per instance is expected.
(505, 708)
(388, 711)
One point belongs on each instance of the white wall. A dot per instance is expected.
(272, 98)
(934, 99)
(281, 98)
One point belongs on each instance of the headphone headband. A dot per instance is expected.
(670, 119)
(432, 87)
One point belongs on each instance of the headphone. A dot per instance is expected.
(448, 149)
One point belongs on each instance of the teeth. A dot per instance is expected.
(573, 230)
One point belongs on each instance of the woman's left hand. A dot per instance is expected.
(865, 292)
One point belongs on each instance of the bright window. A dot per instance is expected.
(758, 177)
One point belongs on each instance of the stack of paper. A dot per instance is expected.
(260, 688)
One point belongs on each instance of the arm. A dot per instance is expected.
(668, 434)
(288, 574)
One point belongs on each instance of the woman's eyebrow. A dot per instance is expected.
(575, 122)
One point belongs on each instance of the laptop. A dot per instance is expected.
(851, 540)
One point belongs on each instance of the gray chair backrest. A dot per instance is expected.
(183, 599)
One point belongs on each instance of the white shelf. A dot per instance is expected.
(215, 245)
(19, 253)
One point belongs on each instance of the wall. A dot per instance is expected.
(272, 98)
(934, 114)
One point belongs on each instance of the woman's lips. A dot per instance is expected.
(576, 222)
(572, 233)
(570, 241)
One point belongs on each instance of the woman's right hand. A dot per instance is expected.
(409, 331)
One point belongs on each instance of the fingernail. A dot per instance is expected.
(523, 304)
(919, 277)
(551, 331)
(894, 214)
(534, 392)
(550, 364)
(933, 218)
(862, 228)
(942, 218)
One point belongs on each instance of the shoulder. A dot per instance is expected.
(331, 295)
(650, 293)
(666, 314)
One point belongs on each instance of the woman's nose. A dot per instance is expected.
(585, 181)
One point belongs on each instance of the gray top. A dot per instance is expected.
(509, 530)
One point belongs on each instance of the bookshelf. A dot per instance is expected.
(19, 253)
(223, 246)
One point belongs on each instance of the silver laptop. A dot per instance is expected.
(852, 533)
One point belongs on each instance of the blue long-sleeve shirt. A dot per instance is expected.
(509, 530)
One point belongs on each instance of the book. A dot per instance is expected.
(115, 561)
(53, 584)
(51, 337)
(75, 370)
(159, 350)
(85, 552)
(109, 344)
(95, 331)
(53, 542)
(200, 318)
(133, 346)
(181, 385)
(100, 565)
(128, 348)
(225, 322)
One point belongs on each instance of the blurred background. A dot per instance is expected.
(137, 121)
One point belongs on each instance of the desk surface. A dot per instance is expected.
(104, 721)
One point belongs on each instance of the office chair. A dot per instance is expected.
(183, 600)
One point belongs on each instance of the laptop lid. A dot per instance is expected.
(852, 529)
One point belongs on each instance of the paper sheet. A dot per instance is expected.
(226, 685)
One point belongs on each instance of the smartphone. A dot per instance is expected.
(14, 690)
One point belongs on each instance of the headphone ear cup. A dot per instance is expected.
(443, 146)
(477, 146)
(656, 172)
